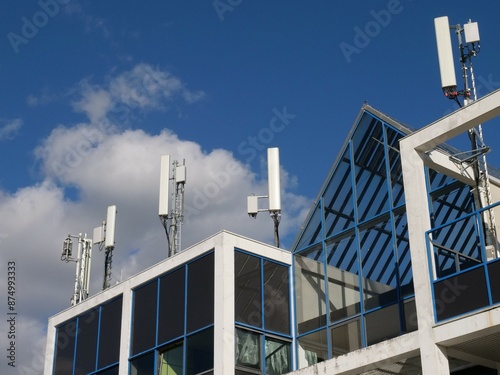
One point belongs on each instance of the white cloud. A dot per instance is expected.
(109, 166)
(10, 128)
(143, 88)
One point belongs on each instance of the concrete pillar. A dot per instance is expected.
(224, 341)
(434, 359)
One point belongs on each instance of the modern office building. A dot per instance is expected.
(396, 270)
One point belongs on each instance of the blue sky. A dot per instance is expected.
(94, 92)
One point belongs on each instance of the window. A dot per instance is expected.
(171, 360)
(310, 289)
(346, 338)
(65, 348)
(258, 353)
(144, 318)
(89, 342)
(313, 348)
(261, 293)
(171, 314)
(200, 293)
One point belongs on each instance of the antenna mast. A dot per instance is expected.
(83, 258)
(469, 49)
(172, 179)
(104, 236)
(274, 191)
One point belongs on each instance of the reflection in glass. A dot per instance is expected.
(346, 338)
(248, 292)
(343, 282)
(382, 324)
(313, 348)
(310, 289)
(379, 264)
(276, 298)
(247, 349)
(277, 357)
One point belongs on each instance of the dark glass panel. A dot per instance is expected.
(144, 318)
(65, 348)
(460, 294)
(277, 357)
(247, 349)
(144, 365)
(382, 324)
(200, 352)
(171, 315)
(109, 336)
(337, 199)
(86, 344)
(410, 315)
(395, 170)
(493, 272)
(248, 289)
(200, 293)
(310, 289)
(171, 359)
(378, 264)
(312, 232)
(313, 348)
(346, 338)
(276, 298)
(369, 160)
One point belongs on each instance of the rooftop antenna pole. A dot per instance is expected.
(172, 179)
(104, 236)
(469, 49)
(83, 258)
(274, 193)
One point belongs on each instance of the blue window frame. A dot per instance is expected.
(172, 321)
(90, 343)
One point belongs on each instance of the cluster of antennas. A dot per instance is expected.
(171, 213)
(104, 236)
(468, 49)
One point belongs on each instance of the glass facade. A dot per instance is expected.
(352, 266)
(172, 321)
(90, 343)
(350, 284)
(262, 315)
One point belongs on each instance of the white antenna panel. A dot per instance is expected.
(110, 227)
(164, 185)
(471, 31)
(180, 174)
(98, 236)
(273, 176)
(445, 52)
